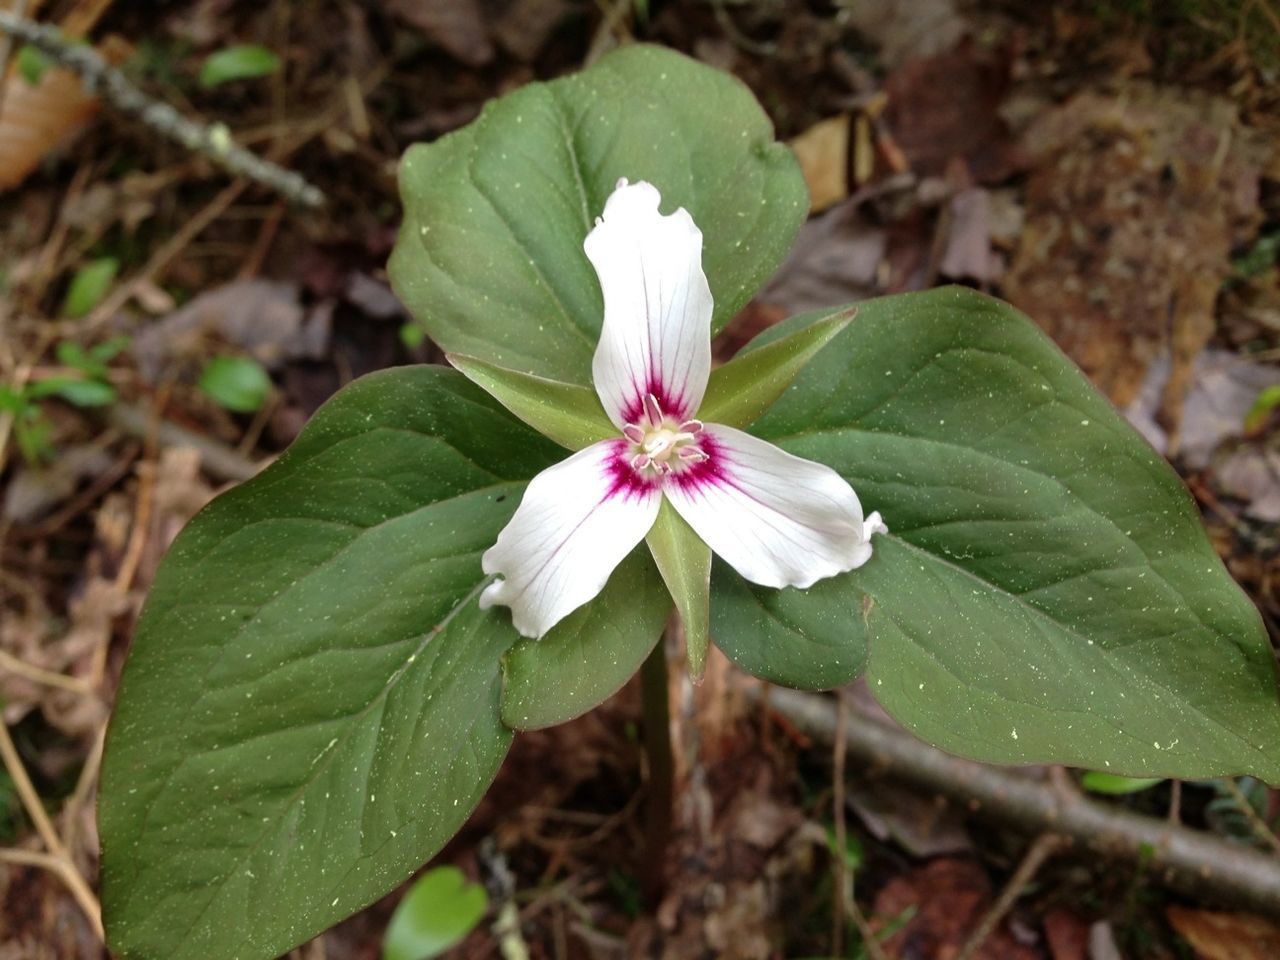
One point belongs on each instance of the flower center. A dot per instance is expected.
(661, 445)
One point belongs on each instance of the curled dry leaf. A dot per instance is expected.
(37, 120)
(1226, 936)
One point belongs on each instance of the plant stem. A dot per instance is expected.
(657, 748)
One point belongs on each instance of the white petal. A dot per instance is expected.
(577, 521)
(657, 307)
(777, 519)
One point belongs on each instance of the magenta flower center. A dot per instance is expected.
(659, 445)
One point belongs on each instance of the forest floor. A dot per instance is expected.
(1111, 168)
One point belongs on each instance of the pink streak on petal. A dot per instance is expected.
(624, 480)
(711, 472)
(672, 403)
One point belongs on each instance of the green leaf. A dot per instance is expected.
(1098, 781)
(568, 413)
(685, 564)
(108, 348)
(237, 383)
(89, 286)
(237, 63)
(813, 639)
(81, 393)
(1047, 592)
(412, 335)
(14, 401)
(489, 258)
(311, 705)
(32, 64)
(1267, 400)
(438, 911)
(745, 387)
(589, 656)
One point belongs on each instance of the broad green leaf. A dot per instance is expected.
(89, 286)
(240, 384)
(237, 63)
(1047, 592)
(746, 386)
(1097, 781)
(814, 639)
(685, 564)
(568, 413)
(489, 258)
(439, 910)
(311, 705)
(591, 654)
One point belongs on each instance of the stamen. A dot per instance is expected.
(691, 426)
(640, 461)
(633, 433)
(653, 410)
(692, 454)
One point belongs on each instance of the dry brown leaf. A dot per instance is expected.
(836, 258)
(456, 25)
(1226, 936)
(264, 317)
(1066, 934)
(36, 120)
(823, 152)
(968, 253)
(526, 25)
(950, 896)
(946, 107)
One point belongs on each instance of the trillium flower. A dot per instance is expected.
(777, 519)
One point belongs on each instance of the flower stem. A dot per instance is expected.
(657, 748)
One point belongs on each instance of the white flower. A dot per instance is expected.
(778, 520)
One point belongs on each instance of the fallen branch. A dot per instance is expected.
(213, 141)
(1186, 860)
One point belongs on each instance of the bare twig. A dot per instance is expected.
(214, 141)
(79, 798)
(27, 793)
(58, 859)
(65, 872)
(48, 678)
(1178, 857)
(1036, 855)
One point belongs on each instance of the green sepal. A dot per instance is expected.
(568, 413)
(685, 564)
(745, 387)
